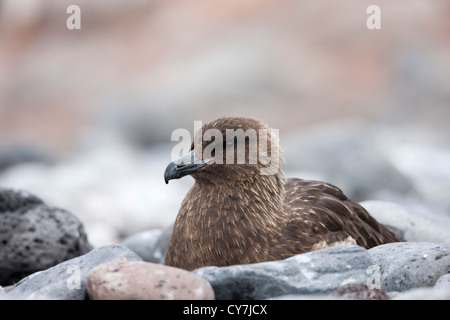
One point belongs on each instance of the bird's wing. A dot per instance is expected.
(320, 215)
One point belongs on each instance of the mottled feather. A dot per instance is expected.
(235, 215)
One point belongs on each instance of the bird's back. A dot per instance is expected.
(320, 215)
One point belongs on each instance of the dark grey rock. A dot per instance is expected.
(21, 153)
(143, 243)
(316, 272)
(160, 248)
(407, 265)
(35, 236)
(67, 280)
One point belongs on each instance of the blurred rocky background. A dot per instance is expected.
(86, 115)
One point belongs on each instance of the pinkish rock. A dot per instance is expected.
(138, 280)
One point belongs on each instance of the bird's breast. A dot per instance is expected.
(225, 232)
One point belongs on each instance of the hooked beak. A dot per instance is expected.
(188, 164)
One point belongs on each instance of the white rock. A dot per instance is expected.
(417, 226)
(113, 190)
(424, 294)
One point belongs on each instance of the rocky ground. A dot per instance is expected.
(86, 118)
(32, 231)
(97, 226)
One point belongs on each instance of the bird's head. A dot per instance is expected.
(242, 148)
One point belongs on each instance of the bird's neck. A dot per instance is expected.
(232, 218)
(261, 198)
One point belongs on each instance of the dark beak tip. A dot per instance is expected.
(169, 172)
(182, 167)
(166, 178)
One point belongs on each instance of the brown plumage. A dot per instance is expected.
(233, 214)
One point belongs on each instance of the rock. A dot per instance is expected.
(359, 292)
(407, 265)
(424, 294)
(440, 291)
(307, 297)
(415, 226)
(151, 245)
(349, 292)
(7, 289)
(105, 188)
(160, 248)
(67, 280)
(315, 272)
(20, 153)
(443, 282)
(35, 236)
(143, 243)
(138, 280)
(348, 155)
